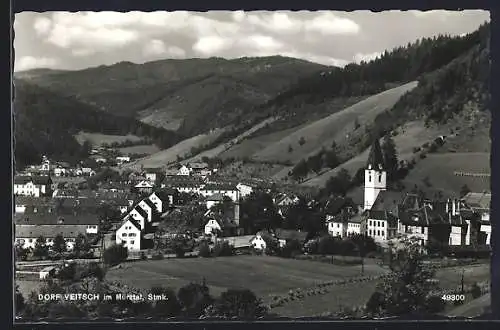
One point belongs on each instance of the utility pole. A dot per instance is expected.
(462, 281)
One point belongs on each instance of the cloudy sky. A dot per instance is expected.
(74, 41)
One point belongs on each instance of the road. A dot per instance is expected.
(474, 308)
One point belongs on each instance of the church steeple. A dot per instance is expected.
(375, 158)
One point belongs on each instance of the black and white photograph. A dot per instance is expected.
(251, 165)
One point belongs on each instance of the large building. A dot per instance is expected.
(35, 186)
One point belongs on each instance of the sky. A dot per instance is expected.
(74, 41)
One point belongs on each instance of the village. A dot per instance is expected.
(143, 211)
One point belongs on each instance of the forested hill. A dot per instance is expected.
(401, 65)
(45, 124)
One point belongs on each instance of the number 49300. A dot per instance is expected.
(453, 297)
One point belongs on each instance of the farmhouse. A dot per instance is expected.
(153, 175)
(26, 235)
(47, 272)
(184, 170)
(122, 159)
(258, 241)
(90, 221)
(32, 186)
(144, 186)
(214, 199)
(228, 190)
(129, 234)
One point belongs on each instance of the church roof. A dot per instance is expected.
(375, 157)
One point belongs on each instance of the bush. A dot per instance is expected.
(115, 254)
(157, 256)
(204, 250)
(475, 291)
(223, 249)
(423, 155)
(416, 149)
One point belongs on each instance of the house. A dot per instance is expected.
(45, 167)
(224, 189)
(61, 171)
(221, 224)
(47, 272)
(162, 198)
(480, 203)
(27, 235)
(244, 189)
(139, 215)
(32, 185)
(240, 242)
(258, 241)
(199, 169)
(183, 184)
(23, 203)
(144, 186)
(184, 170)
(214, 199)
(284, 236)
(129, 234)
(153, 175)
(51, 218)
(100, 160)
(122, 159)
(460, 222)
(345, 224)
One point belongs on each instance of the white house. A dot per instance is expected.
(60, 171)
(184, 170)
(27, 235)
(144, 186)
(129, 234)
(161, 199)
(244, 189)
(35, 186)
(139, 215)
(228, 190)
(212, 226)
(47, 272)
(258, 241)
(122, 159)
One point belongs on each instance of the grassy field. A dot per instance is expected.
(334, 127)
(140, 149)
(98, 139)
(181, 149)
(411, 135)
(215, 152)
(358, 294)
(262, 274)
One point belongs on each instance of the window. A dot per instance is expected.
(370, 222)
(383, 224)
(131, 235)
(370, 178)
(422, 230)
(30, 240)
(124, 235)
(382, 233)
(131, 242)
(378, 232)
(380, 178)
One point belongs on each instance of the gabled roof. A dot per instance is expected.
(220, 187)
(134, 222)
(144, 184)
(140, 210)
(198, 166)
(291, 234)
(216, 198)
(36, 179)
(34, 201)
(54, 219)
(165, 193)
(387, 201)
(49, 231)
(478, 200)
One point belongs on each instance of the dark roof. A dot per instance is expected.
(34, 201)
(132, 221)
(478, 200)
(49, 231)
(219, 186)
(375, 158)
(164, 193)
(54, 219)
(291, 234)
(215, 197)
(141, 211)
(36, 179)
(387, 201)
(198, 165)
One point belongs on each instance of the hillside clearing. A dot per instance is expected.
(97, 139)
(412, 134)
(146, 149)
(181, 149)
(215, 152)
(323, 132)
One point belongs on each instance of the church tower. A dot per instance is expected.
(375, 175)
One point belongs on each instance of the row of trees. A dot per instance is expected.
(192, 301)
